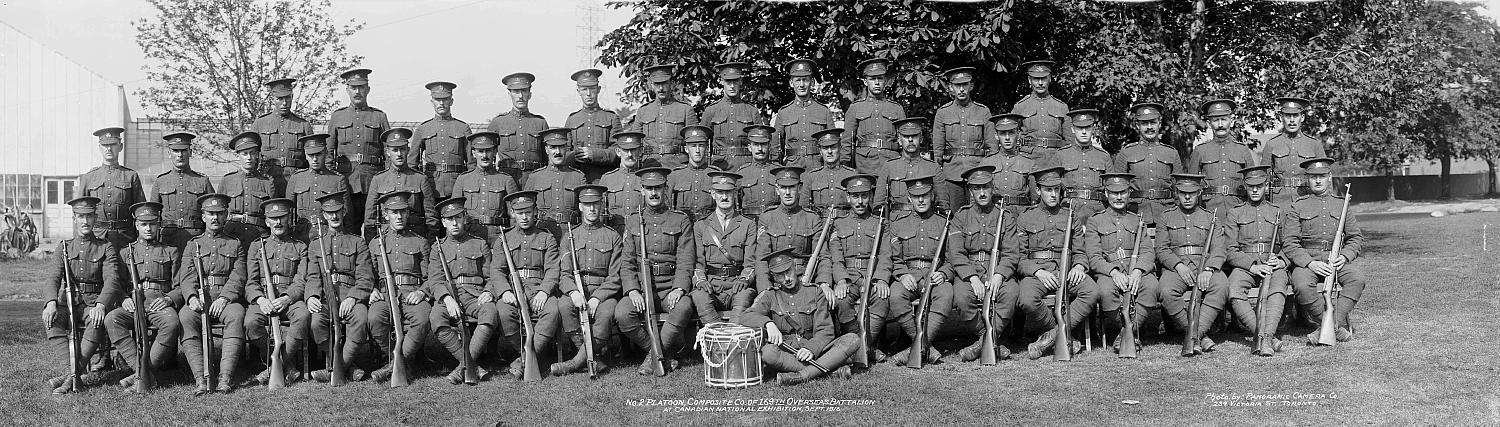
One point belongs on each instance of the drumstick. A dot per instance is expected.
(793, 351)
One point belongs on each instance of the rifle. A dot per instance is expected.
(987, 338)
(648, 290)
(70, 297)
(583, 311)
(393, 300)
(1265, 283)
(1061, 349)
(1327, 324)
(1195, 301)
(1127, 328)
(205, 329)
(471, 371)
(531, 372)
(919, 343)
(862, 357)
(144, 379)
(813, 363)
(278, 365)
(336, 325)
(812, 262)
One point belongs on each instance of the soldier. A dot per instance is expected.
(218, 259)
(1040, 230)
(599, 251)
(797, 121)
(155, 263)
(418, 189)
(726, 242)
(661, 121)
(1082, 163)
(961, 133)
(554, 184)
(896, 171)
(1180, 248)
(970, 250)
(759, 191)
(484, 187)
(281, 132)
(1011, 183)
(592, 128)
(870, 123)
(1308, 233)
(93, 265)
(1109, 238)
(1046, 116)
(850, 247)
(248, 187)
(355, 133)
(117, 187)
(730, 117)
(822, 181)
(343, 277)
(534, 251)
(789, 225)
(1286, 151)
(671, 245)
(466, 257)
(520, 131)
(400, 255)
(178, 190)
(318, 180)
(794, 317)
(910, 253)
(1151, 161)
(624, 196)
(1221, 159)
(281, 259)
(1249, 237)
(689, 182)
(437, 148)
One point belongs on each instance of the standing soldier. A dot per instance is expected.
(554, 184)
(1082, 163)
(726, 241)
(93, 265)
(624, 196)
(438, 148)
(1011, 183)
(823, 181)
(1286, 151)
(466, 257)
(592, 127)
(870, 123)
(421, 198)
(1109, 238)
(280, 132)
(117, 187)
(970, 249)
(730, 116)
(1250, 231)
(248, 187)
(1180, 248)
(789, 225)
(1046, 116)
(1041, 230)
(286, 265)
(157, 263)
(355, 131)
(311, 184)
(759, 191)
(403, 262)
(689, 182)
(1308, 233)
(222, 262)
(850, 246)
(1221, 159)
(896, 172)
(535, 253)
(178, 190)
(520, 131)
(345, 257)
(910, 256)
(599, 250)
(669, 251)
(797, 121)
(661, 121)
(961, 133)
(1151, 161)
(794, 315)
(484, 188)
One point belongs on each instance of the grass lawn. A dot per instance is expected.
(1422, 357)
(22, 279)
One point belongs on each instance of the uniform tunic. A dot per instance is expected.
(1307, 233)
(178, 192)
(757, 187)
(340, 268)
(971, 238)
(555, 200)
(822, 187)
(662, 122)
(891, 187)
(117, 188)
(1248, 230)
(535, 253)
(1285, 154)
(94, 265)
(355, 135)
(520, 138)
(403, 263)
(592, 129)
(600, 252)
(1109, 240)
(728, 119)
(279, 145)
(422, 204)
(1012, 180)
(439, 148)
(1041, 231)
(1045, 124)
(307, 186)
(690, 191)
(850, 244)
(793, 142)
(1081, 183)
(288, 268)
(156, 266)
(1153, 165)
(1220, 161)
(223, 261)
(869, 128)
(724, 251)
(911, 243)
(484, 193)
(1180, 238)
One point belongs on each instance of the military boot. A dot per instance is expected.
(228, 362)
(578, 360)
(908, 325)
(1206, 318)
(834, 359)
(193, 350)
(641, 339)
(1270, 318)
(1042, 344)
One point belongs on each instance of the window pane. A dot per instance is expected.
(52, 196)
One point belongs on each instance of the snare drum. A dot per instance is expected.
(731, 355)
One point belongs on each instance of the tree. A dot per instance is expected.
(208, 61)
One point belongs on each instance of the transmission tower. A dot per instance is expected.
(588, 12)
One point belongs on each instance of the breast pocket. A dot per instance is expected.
(343, 258)
(221, 259)
(467, 262)
(664, 242)
(406, 259)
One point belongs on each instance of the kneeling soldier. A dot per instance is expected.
(1119, 266)
(222, 262)
(155, 263)
(800, 343)
(1250, 231)
(466, 257)
(339, 253)
(92, 265)
(1041, 231)
(403, 262)
(597, 248)
(286, 266)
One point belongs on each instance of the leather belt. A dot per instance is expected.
(251, 218)
(215, 282)
(342, 279)
(117, 224)
(1188, 250)
(558, 215)
(1154, 194)
(518, 164)
(296, 161)
(918, 263)
(529, 273)
(1044, 255)
(975, 152)
(1218, 189)
(733, 270)
(1083, 193)
(490, 219)
(163, 286)
(1120, 254)
(468, 280)
(278, 279)
(182, 223)
(1015, 200)
(663, 268)
(1317, 244)
(981, 258)
(662, 147)
(366, 159)
(1259, 248)
(881, 140)
(737, 151)
(444, 168)
(1047, 141)
(1290, 181)
(797, 151)
(90, 288)
(856, 262)
(594, 272)
(406, 279)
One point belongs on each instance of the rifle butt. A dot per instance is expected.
(1127, 329)
(1061, 351)
(335, 351)
(987, 355)
(1326, 324)
(1190, 336)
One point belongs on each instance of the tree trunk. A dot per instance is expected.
(1390, 184)
(1490, 178)
(1445, 181)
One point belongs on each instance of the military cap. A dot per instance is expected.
(1038, 68)
(919, 184)
(724, 181)
(660, 73)
(1187, 182)
(782, 260)
(787, 175)
(732, 70)
(179, 140)
(1318, 166)
(395, 201)
(1256, 175)
(910, 125)
(1216, 108)
(858, 183)
(332, 202)
(213, 202)
(979, 175)
(315, 143)
(874, 67)
(245, 141)
(1007, 121)
(518, 80)
(396, 137)
(278, 207)
(760, 134)
(590, 193)
(110, 135)
(1048, 176)
(651, 177)
(483, 140)
(1117, 181)
(828, 137)
(441, 90)
(588, 77)
(451, 207)
(281, 87)
(520, 200)
(1147, 111)
(695, 134)
(556, 136)
(356, 77)
(1083, 117)
(800, 67)
(628, 140)
(84, 205)
(959, 75)
(1292, 105)
(146, 211)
